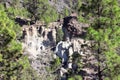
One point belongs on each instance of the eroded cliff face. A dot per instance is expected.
(38, 43)
(37, 38)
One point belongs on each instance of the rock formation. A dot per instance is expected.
(38, 42)
(71, 27)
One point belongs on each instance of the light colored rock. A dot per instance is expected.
(62, 71)
(70, 65)
(76, 46)
(36, 44)
(70, 51)
(54, 35)
(64, 50)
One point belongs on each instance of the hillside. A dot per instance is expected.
(59, 40)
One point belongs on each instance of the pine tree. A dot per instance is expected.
(41, 10)
(105, 31)
(12, 62)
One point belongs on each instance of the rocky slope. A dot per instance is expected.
(39, 43)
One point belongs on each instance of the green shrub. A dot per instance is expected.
(75, 77)
(55, 64)
(41, 10)
(59, 35)
(11, 58)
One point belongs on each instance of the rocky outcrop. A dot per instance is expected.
(39, 41)
(64, 50)
(37, 37)
(23, 21)
(72, 28)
